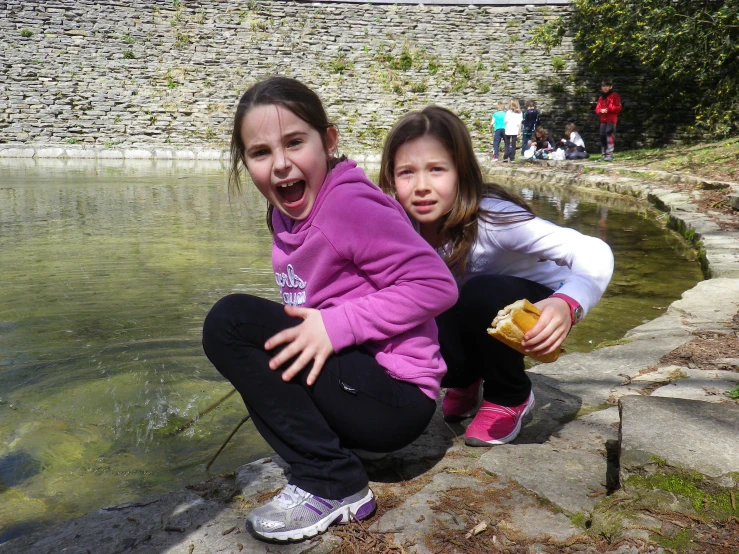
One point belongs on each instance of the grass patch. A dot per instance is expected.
(712, 160)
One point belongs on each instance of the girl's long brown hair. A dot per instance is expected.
(289, 93)
(458, 229)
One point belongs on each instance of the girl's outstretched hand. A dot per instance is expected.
(309, 341)
(551, 329)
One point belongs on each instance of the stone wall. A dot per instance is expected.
(140, 73)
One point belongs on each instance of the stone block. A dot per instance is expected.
(137, 154)
(81, 153)
(110, 154)
(184, 154)
(208, 154)
(684, 434)
(50, 152)
(17, 152)
(163, 154)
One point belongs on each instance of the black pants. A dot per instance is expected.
(509, 151)
(354, 403)
(607, 139)
(470, 353)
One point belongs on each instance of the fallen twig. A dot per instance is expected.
(210, 408)
(213, 459)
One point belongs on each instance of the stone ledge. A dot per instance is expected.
(109, 153)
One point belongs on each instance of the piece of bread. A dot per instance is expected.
(513, 322)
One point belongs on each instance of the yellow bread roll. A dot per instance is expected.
(513, 322)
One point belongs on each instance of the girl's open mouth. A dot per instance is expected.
(291, 193)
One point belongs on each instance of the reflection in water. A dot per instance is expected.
(107, 273)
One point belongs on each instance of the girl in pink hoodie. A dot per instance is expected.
(351, 361)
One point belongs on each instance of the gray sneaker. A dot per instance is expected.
(295, 514)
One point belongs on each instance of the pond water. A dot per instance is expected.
(106, 273)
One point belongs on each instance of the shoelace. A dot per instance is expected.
(291, 496)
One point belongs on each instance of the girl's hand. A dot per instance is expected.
(309, 339)
(551, 329)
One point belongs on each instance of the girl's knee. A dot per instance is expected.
(225, 315)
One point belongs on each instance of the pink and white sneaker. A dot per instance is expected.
(495, 424)
(459, 404)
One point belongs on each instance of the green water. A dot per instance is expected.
(106, 273)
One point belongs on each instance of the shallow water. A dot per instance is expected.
(106, 273)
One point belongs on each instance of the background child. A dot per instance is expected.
(499, 252)
(608, 108)
(543, 144)
(352, 359)
(512, 121)
(497, 124)
(573, 143)
(530, 123)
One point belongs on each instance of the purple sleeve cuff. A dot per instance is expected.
(337, 326)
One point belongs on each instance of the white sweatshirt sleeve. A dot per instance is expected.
(589, 259)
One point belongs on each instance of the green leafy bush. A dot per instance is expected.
(685, 53)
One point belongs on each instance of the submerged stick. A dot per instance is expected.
(201, 414)
(213, 459)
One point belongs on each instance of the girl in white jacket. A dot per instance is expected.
(499, 252)
(513, 119)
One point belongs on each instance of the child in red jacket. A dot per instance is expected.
(608, 108)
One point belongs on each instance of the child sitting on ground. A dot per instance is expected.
(543, 146)
(573, 143)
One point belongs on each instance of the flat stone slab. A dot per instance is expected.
(687, 434)
(457, 502)
(589, 433)
(706, 385)
(573, 480)
(594, 376)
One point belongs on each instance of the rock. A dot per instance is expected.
(590, 432)
(458, 502)
(697, 384)
(17, 152)
(595, 376)
(262, 475)
(137, 153)
(110, 154)
(685, 434)
(50, 152)
(569, 479)
(165, 524)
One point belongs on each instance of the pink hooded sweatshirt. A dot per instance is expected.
(357, 258)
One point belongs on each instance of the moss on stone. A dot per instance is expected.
(679, 543)
(708, 500)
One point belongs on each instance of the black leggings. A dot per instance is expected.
(354, 403)
(509, 152)
(470, 353)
